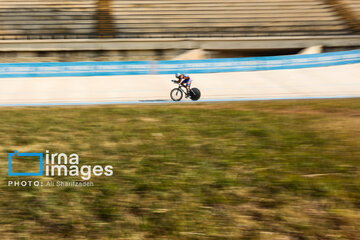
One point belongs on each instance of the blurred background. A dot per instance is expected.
(117, 30)
(261, 170)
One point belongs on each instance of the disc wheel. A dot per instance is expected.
(195, 94)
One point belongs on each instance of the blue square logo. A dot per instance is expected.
(11, 155)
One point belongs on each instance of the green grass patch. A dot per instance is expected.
(245, 170)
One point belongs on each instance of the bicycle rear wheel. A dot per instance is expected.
(195, 94)
(176, 94)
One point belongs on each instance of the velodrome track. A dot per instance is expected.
(319, 82)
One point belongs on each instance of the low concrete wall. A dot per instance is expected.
(154, 49)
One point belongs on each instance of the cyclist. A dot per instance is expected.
(184, 80)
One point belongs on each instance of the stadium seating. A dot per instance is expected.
(229, 18)
(354, 5)
(34, 19)
(352, 9)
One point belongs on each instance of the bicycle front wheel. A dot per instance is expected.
(176, 94)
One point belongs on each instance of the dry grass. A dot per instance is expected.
(277, 170)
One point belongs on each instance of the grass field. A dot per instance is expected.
(249, 170)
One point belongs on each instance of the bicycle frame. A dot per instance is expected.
(181, 87)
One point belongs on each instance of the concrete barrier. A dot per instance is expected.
(223, 43)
